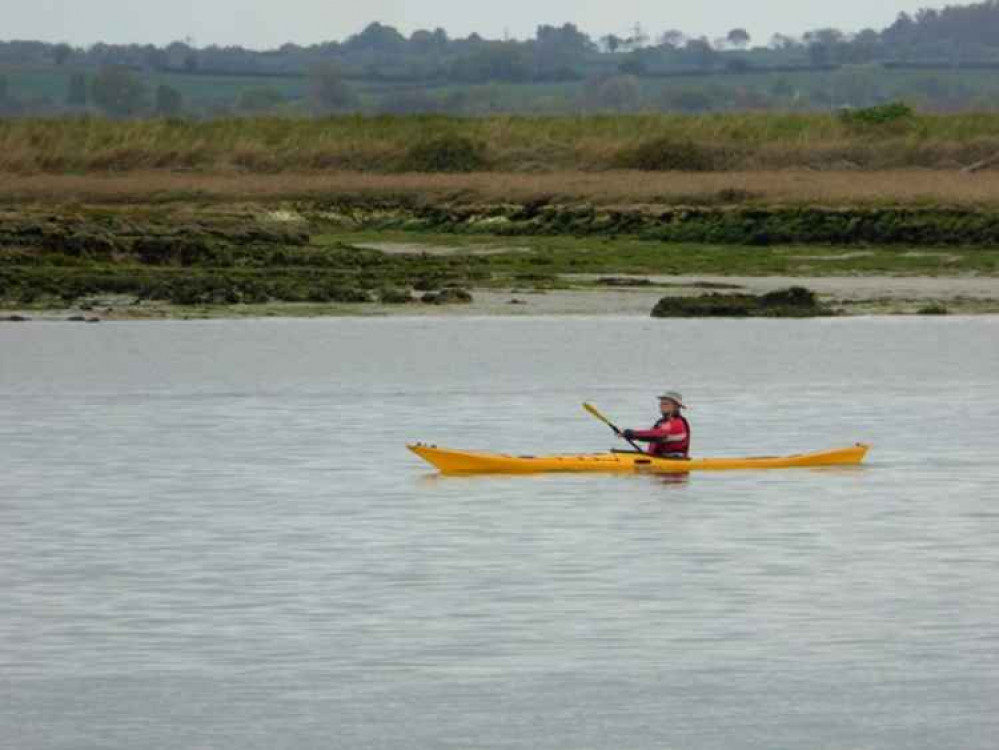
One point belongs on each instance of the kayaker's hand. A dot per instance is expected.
(628, 434)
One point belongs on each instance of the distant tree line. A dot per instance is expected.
(954, 34)
(130, 80)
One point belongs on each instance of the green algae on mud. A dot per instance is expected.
(752, 226)
(562, 255)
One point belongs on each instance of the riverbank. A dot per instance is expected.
(356, 255)
(845, 295)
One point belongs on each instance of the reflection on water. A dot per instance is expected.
(673, 479)
(211, 534)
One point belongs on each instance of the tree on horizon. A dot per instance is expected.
(118, 92)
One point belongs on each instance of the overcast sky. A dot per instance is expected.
(270, 23)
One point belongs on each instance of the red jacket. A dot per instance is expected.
(667, 437)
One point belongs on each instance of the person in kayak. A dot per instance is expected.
(670, 436)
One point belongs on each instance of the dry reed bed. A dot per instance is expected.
(512, 144)
(849, 188)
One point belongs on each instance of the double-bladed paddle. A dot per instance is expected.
(593, 410)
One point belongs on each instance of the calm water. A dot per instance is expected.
(211, 536)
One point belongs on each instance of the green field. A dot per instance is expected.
(806, 90)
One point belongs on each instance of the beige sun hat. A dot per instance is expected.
(673, 396)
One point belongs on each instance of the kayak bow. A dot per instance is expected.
(468, 462)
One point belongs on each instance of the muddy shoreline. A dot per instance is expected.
(123, 262)
(846, 295)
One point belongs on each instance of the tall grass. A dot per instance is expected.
(513, 143)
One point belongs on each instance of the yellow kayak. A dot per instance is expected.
(468, 462)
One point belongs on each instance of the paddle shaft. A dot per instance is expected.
(593, 410)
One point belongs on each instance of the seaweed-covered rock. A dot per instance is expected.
(91, 244)
(334, 292)
(452, 295)
(626, 281)
(796, 297)
(395, 297)
(792, 302)
(258, 234)
(934, 308)
(168, 250)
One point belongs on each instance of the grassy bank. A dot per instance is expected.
(511, 144)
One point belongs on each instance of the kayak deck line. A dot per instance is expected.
(450, 461)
